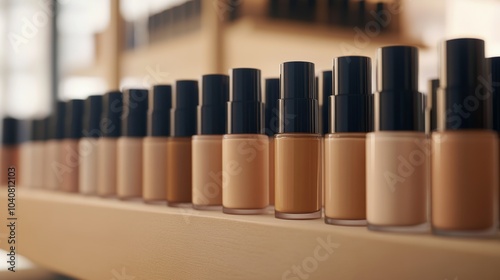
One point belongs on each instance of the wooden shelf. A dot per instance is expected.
(96, 238)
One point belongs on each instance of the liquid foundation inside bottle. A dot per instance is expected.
(245, 166)
(88, 166)
(155, 175)
(67, 166)
(475, 166)
(179, 171)
(397, 171)
(298, 178)
(53, 157)
(107, 166)
(272, 171)
(207, 171)
(345, 194)
(129, 167)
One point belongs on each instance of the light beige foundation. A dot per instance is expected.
(154, 172)
(179, 171)
(207, 171)
(67, 167)
(396, 180)
(129, 167)
(38, 155)
(53, 156)
(26, 163)
(89, 163)
(465, 194)
(345, 180)
(245, 163)
(298, 175)
(107, 166)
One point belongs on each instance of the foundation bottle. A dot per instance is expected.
(298, 144)
(9, 150)
(397, 153)
(112, 106)
(345, 143)
(245, 149)
(129, 145)
(37, 154)
(464, 147)
(272, 96)
(494, 69)
(326, 91)
(179, 156)
(88, 145)
(154, 180)
(207, 144)
(44, 163)
(26, 163)
(53, 146)
(67, 167)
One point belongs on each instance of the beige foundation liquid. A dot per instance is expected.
(130, 145)
(67, 169)
(154, 179)
(245, 150)
(107, 145)
(245, 162)
(88, 145)
(183, 121)
(298, 145)
(397, 153)
(345, 146)
(465, 163)
(9, 149)
(207, 145)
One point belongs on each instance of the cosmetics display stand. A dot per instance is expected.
(94, 238)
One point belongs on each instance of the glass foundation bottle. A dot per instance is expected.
(298, 144)
(179, 149)
(155, 145)
(207, 144)
(9, 150)
(38, 154)
(397, 158)
(67, 168)
(52, 146)
(112, 106)
(87, 146)
(129, 146)
(464, 147)
(345, 142)
(245, 149)
(272, 118)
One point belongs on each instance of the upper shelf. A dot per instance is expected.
(96, 238)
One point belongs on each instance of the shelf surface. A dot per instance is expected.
(96, 238)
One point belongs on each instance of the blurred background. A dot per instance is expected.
(68, 49)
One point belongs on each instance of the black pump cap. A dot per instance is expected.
(351, 104)
(183, 112)
(326, 91)
(464, 97)
(272, 113)
(212, 108)
(38, 130)
(92, 116)
(160, 104)
(135, 110)
(245, 107)
(398, 104)
(298, 104)
(494, 69)
(9, 131)
(73, 126)
(112, 110)
(432, 96)
(57, 121)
